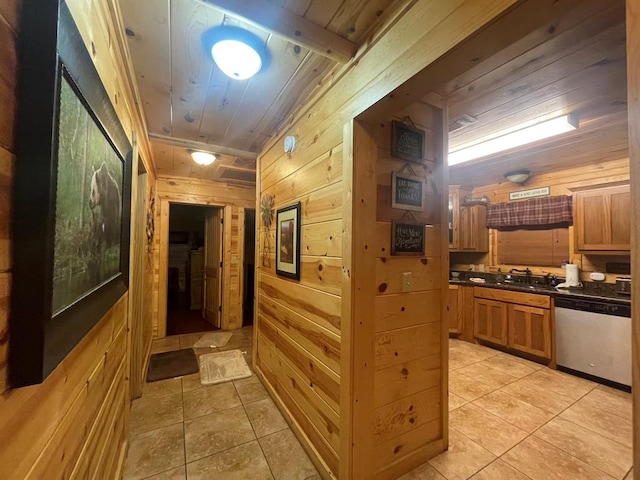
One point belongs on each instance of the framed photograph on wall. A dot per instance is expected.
(407, 192)
(288, 241)
(72, 197)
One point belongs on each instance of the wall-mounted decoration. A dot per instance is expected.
(288, 241)
(151, 219)
(266, 213)
(72, 197)
(534, 192)
(407, 239)
(407, 142)
(407, 192)
(469, 200)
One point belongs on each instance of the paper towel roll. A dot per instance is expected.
(573, 275)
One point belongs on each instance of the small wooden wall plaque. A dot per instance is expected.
(407, 192)
(407, 239)
(407, 142)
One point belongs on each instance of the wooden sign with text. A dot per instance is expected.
(407, 239)
(407, 192)
(407, 142)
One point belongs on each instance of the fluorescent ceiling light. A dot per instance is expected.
(533, 133)
(203, 158)
(237, 52)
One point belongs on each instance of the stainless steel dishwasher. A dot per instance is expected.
(593, 337)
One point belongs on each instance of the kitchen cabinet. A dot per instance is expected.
(454, 309)
(602, 220)
(529, 330)
(468, 230)
(490, 321)
(519, 321)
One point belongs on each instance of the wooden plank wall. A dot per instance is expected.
(563, 181)
(410, 394)
(74, 424)
(234, 199)
(299, 322)
(633, 85)
(301, 371)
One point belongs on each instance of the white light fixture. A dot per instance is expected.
(203, 158)
(519, 176)
(530, 134)
(238, 53)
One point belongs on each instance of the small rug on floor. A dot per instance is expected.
(211, 340)
(172, 364)
(223, 367)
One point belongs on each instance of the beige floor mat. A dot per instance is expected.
(223, 367)
(214, 339)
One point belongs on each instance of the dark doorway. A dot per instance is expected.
(249, 265)
(185, 288)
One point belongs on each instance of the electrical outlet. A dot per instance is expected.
(406, 281)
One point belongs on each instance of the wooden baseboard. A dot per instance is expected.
(317, 460)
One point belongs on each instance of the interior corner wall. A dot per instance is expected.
(74, 424)
(298, 327)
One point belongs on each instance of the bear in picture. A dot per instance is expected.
(105, 194)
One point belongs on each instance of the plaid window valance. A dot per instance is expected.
(535, 212)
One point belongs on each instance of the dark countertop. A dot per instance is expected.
(584, 293)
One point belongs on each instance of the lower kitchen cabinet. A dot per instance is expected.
(490, 321)
(529, 330)
(519, 321)
(454, 309)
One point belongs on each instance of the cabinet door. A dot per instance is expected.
(530, 330)
(454, 312)
(602, 219)
(490, 321)
(454, 211)
(474, 235)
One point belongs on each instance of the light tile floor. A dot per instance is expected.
(510, 419)
(182, 430)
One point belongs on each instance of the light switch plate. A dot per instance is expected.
(406, 281)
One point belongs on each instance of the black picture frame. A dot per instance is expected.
(288, 241)
(407, 142)
(407, 192)
(52, 56)
(407, 239)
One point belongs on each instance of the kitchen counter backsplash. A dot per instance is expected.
(538, 284)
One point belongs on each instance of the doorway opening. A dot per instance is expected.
(249, 266)
(194, 269)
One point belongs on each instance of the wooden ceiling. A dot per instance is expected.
(575, 64)
(190, 103)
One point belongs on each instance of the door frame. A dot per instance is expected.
(164, 203)
(220, 215)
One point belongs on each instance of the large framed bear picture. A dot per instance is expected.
(72, 190)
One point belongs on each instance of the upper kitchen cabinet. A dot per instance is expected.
(468, 230)
(601, 220)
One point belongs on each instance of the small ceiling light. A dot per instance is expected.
(523, 136)
(519, 176)
(203, 158)
(238, 53)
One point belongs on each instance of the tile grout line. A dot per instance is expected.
(556, 415)
(184, 429)
(254, 430)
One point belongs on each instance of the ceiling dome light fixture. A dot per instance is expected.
(238, 53)
(519, 176)
(202, 158)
